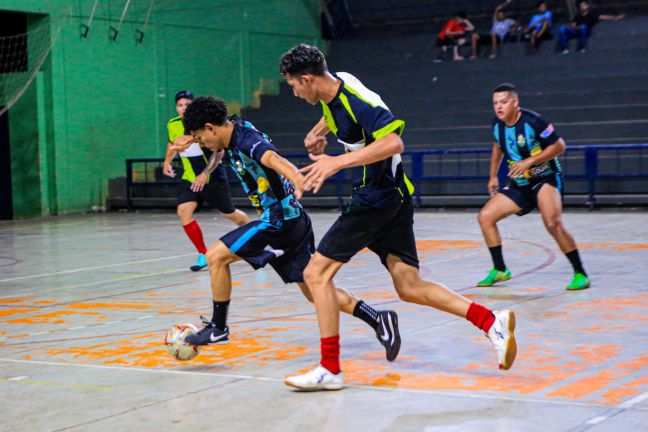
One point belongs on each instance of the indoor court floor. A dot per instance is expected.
(85, 301)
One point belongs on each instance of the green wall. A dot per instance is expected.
(98, 102)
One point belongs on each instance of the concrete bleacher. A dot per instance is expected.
(593, 98)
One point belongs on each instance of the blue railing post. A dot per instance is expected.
(591, 172)
(417, 174)
(129, 182)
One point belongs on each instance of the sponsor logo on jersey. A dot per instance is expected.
(521, 141)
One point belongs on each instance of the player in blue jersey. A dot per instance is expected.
(531, 147)
(379, 215)
(283, 235)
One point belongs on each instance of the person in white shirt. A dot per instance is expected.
(503, 28)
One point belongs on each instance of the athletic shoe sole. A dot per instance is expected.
(196, 268)
(487, 285)
(393, 353)
(511, 346)
(310, 389)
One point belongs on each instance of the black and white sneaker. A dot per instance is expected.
(210, 334)
(387, 333)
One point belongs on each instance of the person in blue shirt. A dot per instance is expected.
(379, 216)
(539, 27)
(282, 237)
(531, 147)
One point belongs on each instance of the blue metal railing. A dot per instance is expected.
(583, 163)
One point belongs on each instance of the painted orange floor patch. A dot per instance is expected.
(57, 317)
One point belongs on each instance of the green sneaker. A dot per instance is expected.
(494, 276)
(579, 282)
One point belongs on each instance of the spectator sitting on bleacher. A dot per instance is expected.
(581, 26)
(454, 34)
(503, 29)
(539, 27)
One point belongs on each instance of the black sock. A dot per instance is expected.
(575, 261)
(366, 313)
(498, 259)
(219, 318)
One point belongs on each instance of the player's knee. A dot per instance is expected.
(553, 225)
(218, 256)
(311, 274)
(485, 217)
(183, 213)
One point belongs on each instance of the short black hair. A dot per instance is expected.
(504, 87)
(540, 3)
(303, 59)
(184, 94)
(462, 14)
(203, 110)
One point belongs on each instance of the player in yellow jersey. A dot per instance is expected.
(197, 185)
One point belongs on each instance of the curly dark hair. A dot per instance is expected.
(303, 59)
(204, 109)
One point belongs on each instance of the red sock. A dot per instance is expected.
(195, 235)
(331, 353)
(480, 316)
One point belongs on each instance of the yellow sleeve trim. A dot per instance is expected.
(347, 106)
(328, 116)
(395, 126)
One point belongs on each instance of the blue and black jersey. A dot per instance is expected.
(270, 193)
(528, 137)
(358, 117)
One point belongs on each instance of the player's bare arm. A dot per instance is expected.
(315, 141)
(167, 169)
(550, 152)
(326, 166)
(496, 160)
(202, 179)
(182, 143)
(284, 168)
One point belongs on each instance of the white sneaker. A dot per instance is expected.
(502, 337)
(319, 378)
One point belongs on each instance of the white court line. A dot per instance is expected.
(121, 279)
(596, 420)
(634, 401)
(620, 408)
(82, 269)
(261, 378)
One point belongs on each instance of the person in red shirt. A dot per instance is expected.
(454, 34)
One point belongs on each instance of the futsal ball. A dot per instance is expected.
(174, 341)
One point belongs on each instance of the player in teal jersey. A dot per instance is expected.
(531, 147)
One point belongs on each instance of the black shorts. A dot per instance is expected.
(448, 41)
(216, 193)
(387, 230)
(286, 246)
(526, 197)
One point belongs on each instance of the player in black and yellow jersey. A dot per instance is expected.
(196, 185)
(380, 215)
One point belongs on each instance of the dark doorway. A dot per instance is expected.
(6, 199)
(13, 30)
